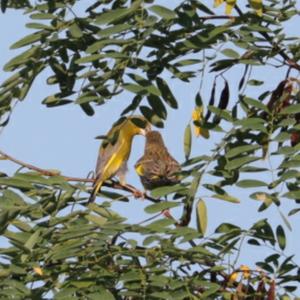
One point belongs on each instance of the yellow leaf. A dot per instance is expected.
(233, 276)
(218, 3)
(229, 6)
(257, 6)
(261, 196)
(246, 271)
(38, 271)
(197, 115)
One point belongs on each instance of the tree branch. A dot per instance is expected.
(50, 173)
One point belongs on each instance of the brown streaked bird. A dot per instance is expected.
(115, 150)
(157, 167)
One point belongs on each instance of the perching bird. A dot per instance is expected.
(157, 167)
(114, 152)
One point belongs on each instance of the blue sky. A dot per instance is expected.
(63, 138)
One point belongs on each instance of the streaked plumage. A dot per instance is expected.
(114, 152)
(157, 167)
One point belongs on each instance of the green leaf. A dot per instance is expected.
(195, 184)
(87, 108)
(55, 100)
(42, 16)
(114, 29)
(75, 31)
(201, 217)
(108, 42)
(100, 221)
(101, 294)
(256, 103)
(213, 34)
(31, 242)
(133, 105)
(159, 225)
(151, 116)
(85, 99)
(223, 102)
(238, 162)
(4, 218)
(226, 228)
(187, 141)
(166, 93)
(252, 123)
(198, 100)
(39, 26)
(157, 106)
(294, 211)
(214, 288)
(163, 12)
(187, 62)
(146, 89)
(220, 114)
(159, 207)
(259, 28)
(135, 88)
(27, 40)
(281, 237)
(230, 53)
(255, 82)
(21, 59)
(166, 190)
(292, 195)
(236, 150)
(112, 16)
(17, 183)
(250, 183)
(226, 197)
(291, 109)
(115, 15)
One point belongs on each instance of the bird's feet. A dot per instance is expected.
(167, 214)
(139, 194)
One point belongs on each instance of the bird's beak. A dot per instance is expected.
(143, 131)
(148, 128)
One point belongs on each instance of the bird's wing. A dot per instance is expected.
(109, 160)
(172, 165)
(121, 173)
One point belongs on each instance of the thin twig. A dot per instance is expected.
(281, 51)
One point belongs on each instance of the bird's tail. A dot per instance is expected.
(95, 191)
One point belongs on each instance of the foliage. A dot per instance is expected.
(141, 47)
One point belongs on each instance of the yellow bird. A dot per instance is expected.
(157, 167)
(115, 150)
